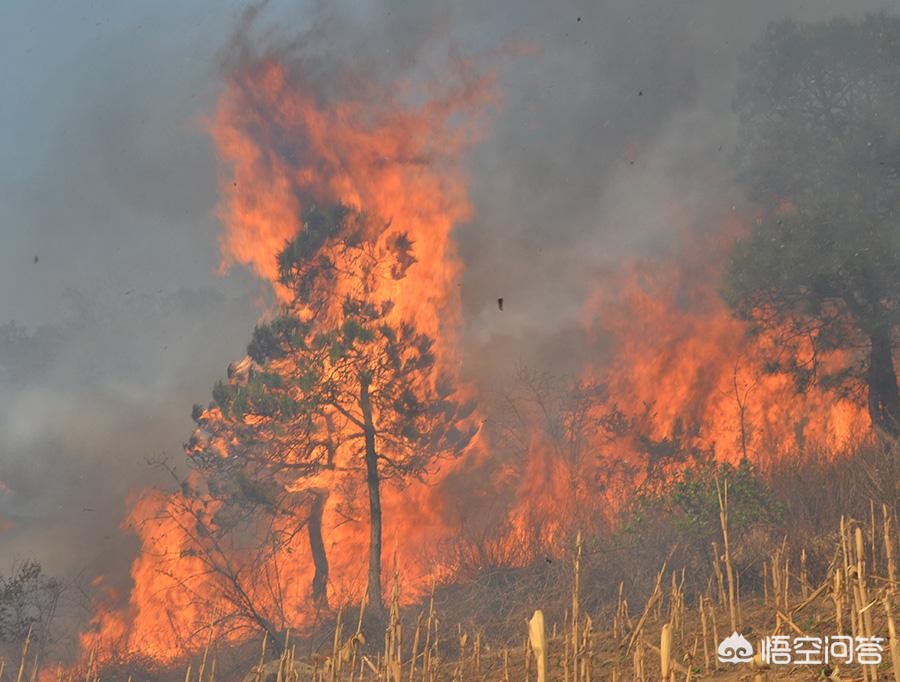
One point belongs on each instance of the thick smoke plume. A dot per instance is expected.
(610, 136)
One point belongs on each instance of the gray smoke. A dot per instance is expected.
(107, 267)
(108, 187)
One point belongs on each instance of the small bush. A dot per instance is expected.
(689, 502)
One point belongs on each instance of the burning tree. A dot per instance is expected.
(337, 388)
(817, 106)
(368, 301)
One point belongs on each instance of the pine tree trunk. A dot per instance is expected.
(317, 546)
(884, 401)
(373, 482)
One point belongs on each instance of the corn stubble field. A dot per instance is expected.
(842, 581)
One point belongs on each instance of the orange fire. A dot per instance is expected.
(282, 147)
(681, 357)
(676, 373)
(674, 360)
(392, 155)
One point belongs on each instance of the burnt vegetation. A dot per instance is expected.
(820, 153)
(334, 400)
(335, 381)
(620, 526)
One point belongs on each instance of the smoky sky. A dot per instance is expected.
(108, 186)
(108, 262)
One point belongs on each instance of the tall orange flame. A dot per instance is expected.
(675, 361)
(677, 348)
(282, 150)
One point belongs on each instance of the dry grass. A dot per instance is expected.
(572, 620)
(858, 596)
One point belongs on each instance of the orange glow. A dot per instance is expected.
(281, 149)
(679, 370)
(670, 357)
(396, 164)
(678, 348)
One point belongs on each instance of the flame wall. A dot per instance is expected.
(654, 337)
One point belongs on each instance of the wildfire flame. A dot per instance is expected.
(675, 362)
(677, 373)
(679, 355)
(283, 149)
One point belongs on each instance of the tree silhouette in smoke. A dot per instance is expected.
(817, 104)
(335, 390)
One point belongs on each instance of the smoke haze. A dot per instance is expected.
(610, 115)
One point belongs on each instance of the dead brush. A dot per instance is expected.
(843, 582)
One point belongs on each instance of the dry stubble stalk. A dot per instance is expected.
(665, 652)
(538, 639)
(655, 597)
(576, 598)
(892, 637)
(25, 656)
(705, 636)
(837, 595)
(587, 649)
(722, 496)
(889, 549)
